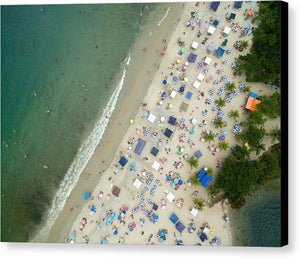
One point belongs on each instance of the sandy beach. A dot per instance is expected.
(129, 217)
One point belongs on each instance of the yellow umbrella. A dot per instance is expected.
(178, 61)
(246, 144)
(131, 121)
(186, 79)
(170, 105)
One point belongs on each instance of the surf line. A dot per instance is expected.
(166, 14)
(80, 161)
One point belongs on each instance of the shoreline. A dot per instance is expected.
(119, 121)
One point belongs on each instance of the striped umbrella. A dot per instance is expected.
(229, 50)
(206, 69)
(225, 60)
(233, 65)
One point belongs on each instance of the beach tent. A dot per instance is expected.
(195, 45)
(156, 165)
(200, 76)
(154, 207)
(154, 151)
(211, 47)
(183, 107)
(251, 104)
(189, 95)
(174, 218)
(180, 227)
(172, 120)
(211, 30)
(203, 237)
(198, 154)
(123, 161)
(173, 94)
(139, 146)
(220, 52)
(232, 16)
(226, 30)
(206, 180)
(137, 183)
(170, 197)
(194, 212)
(192, 57)
(215, 23)
(201, 175)
(207, 60)
(214, 5)
(168, 133)
(151, 118)
(194, 121)
(196, 84)
(238, 4)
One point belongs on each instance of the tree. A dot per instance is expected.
(224, 145)
(221, 102)
(258, 148)
(209, 137)
(230, 87)
(247, 89)
(275, 134)
(209, 171)
(193, 162)
(218, 123)
(194, 180)
(256, 118)
(254, 135)
(244, 44)
(234, 114)
(199, 204)
(270, 105)
(240, 152)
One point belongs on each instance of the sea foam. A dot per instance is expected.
(165, 16)
(80, 161)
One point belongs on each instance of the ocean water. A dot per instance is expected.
(258, 223)
(58, 89)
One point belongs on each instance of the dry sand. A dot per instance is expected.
(96, 229)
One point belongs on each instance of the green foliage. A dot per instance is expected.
(234, 114)
(244, 44)
(221, 102)
(254, 135)
(218, 123)
(241, 178)
(193, 162)
(240, 152)
(199, 204)
(270, 105)
(263, 63)
(209, 136)
(247, 89)
(256, 118)
(275, 134)
(224, 145)
(209, 171)
(194, 180)
(230, 87)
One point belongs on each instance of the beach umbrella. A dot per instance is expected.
(119, 217)
(163, 52)
(225, 61)
(199, 65)
(206, 69)
(185, 68)
(229, 50)
(131, 121)
(218, 18)
(170, 105)
(186, 63)
(177, 185)
(225, 77)
(130, 228)
(174, 78)
(202, 30)
(198, 20)
(180, 182)
(181, 89)
(104, 241)
(217, 81)
(173, 185)
(218, 242)
(191, 21)
(164, 82)
(182, 50)
(221, 70)
(233, 65)
(116, 232)
(86, 196)
(241, 86)
(146, 114)
(169, 178)
(73, 237)
(225, 132)
(185, 79)
(222, 137)
(93, 209)
(211, 77)
(178, 61)
(162, 233)
(133, 225)
(192, 131)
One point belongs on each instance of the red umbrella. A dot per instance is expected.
(133, 225)
(177, 185)
(163, 52)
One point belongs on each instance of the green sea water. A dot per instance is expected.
(258, 223)
(58, 65)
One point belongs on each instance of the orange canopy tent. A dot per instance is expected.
(251, 104)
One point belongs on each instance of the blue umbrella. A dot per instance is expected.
(218, 18)
(173, 185)
(169, 178)
(130, 228)
(93, 209)
(164, 82)
(206, 69)
(86, 196)
(115, 232)
(119, 217)
(192, 131)
(104, 241)
(225, 132)
(159, 143)
(217, 81)
(225, 61)
(242, 86)
(174, 78)
(233, 65)
(181, 89)
(72, 237)
(146, 114)
(180, 182)
(229, 50)
(222, 137)
(221, 70)
(225, 77)
(211, 77)
(200, 65)
(162, 233)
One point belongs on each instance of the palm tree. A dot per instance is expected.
(275, 134)
(221, 102)
(209, 137)
(224, 145)
(244, 44)
(230, 87)
(218, 123)
(247, 89)
(199, 204)
(258, 148)
(194, 180)
(209, 171)
(234, 114)
(239, 67)
(193, 162)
